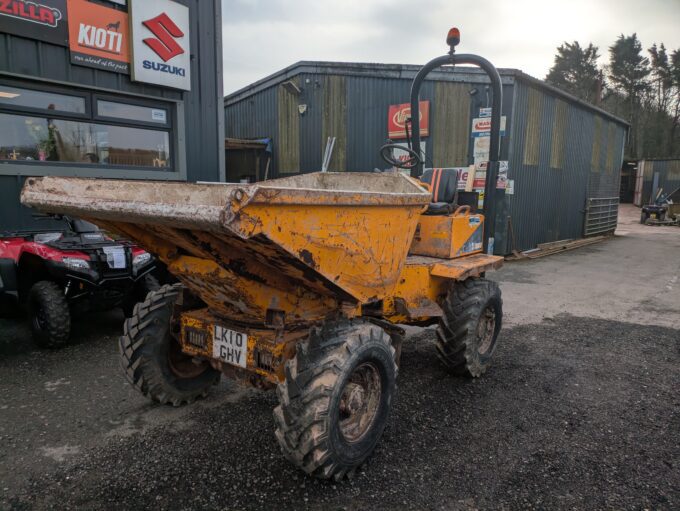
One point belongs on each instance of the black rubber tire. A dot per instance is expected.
(644, 216)
(49, 314)
(147, 284)
(308, 416)
(145, 346)
(458, 342)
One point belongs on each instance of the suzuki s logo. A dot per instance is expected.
(166, 32)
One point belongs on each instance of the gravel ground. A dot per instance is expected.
(575, 413)
(580, 410)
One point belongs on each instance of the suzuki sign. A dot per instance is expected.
(160, 43)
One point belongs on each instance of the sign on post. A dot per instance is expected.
(160, 43)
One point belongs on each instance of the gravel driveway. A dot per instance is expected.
(580, 410)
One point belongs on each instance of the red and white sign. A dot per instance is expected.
(397, 116)
(481, 126)
(160, 43)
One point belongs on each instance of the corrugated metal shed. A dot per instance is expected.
(203, 138)
(564, 155)
(664, 174)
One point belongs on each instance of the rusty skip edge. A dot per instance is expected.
(188, 205)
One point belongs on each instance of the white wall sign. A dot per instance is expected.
(160, 43)
(481, 126)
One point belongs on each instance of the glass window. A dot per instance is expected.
(132, 112)
(30, 138)
(14, 96)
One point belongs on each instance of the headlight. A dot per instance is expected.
(141, 259)
(75, 264)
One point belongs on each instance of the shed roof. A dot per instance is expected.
(405, 72)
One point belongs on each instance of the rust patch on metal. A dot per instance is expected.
(307, 257)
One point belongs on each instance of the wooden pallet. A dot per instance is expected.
(555, 247)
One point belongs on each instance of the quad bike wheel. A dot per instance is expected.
(152, 358)
(336, 398)
(49, 314)
(468, 330)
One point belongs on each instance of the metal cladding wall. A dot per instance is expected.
(669, 177)
(361, 100)
(562, 153)
(203, 119)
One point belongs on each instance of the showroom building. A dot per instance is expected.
(114, 89)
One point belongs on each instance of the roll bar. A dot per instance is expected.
(494, 144)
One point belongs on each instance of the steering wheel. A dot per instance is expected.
(387, 154)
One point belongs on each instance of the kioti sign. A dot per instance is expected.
(160, 43)
(397, 116)
(44, 20)
(98, 36)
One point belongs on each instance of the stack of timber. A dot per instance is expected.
(554, 247)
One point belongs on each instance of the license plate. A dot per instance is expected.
(230, 346)
(115, 257)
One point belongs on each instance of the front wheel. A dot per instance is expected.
(468, 330)
(152, 357)
(50, 316)
(336, 398)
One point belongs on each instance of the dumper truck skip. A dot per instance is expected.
(301, 284)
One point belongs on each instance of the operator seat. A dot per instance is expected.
(444, 184)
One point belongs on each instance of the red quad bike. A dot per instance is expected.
(57, 274)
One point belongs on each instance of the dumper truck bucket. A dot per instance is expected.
(304, 244)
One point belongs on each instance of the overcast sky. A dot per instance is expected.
(263, 36)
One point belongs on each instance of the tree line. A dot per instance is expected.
(642, 87)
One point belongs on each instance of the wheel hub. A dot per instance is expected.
(359, 402)
(181, 364)
(41, 318)
(485, 330)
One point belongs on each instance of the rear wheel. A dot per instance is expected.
(49, 313)
(336, 398)
(151, 355)
(468, 330)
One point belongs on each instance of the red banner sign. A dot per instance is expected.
(398, 115)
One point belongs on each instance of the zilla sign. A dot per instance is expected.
(160, 43)
(98, 36)
(45, 20)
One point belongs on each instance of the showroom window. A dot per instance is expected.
(82, 128)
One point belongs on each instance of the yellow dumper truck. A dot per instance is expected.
(300, 284)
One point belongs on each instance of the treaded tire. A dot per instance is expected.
(146, 347)
(461, 347)
(309, 424)
(50, 316)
